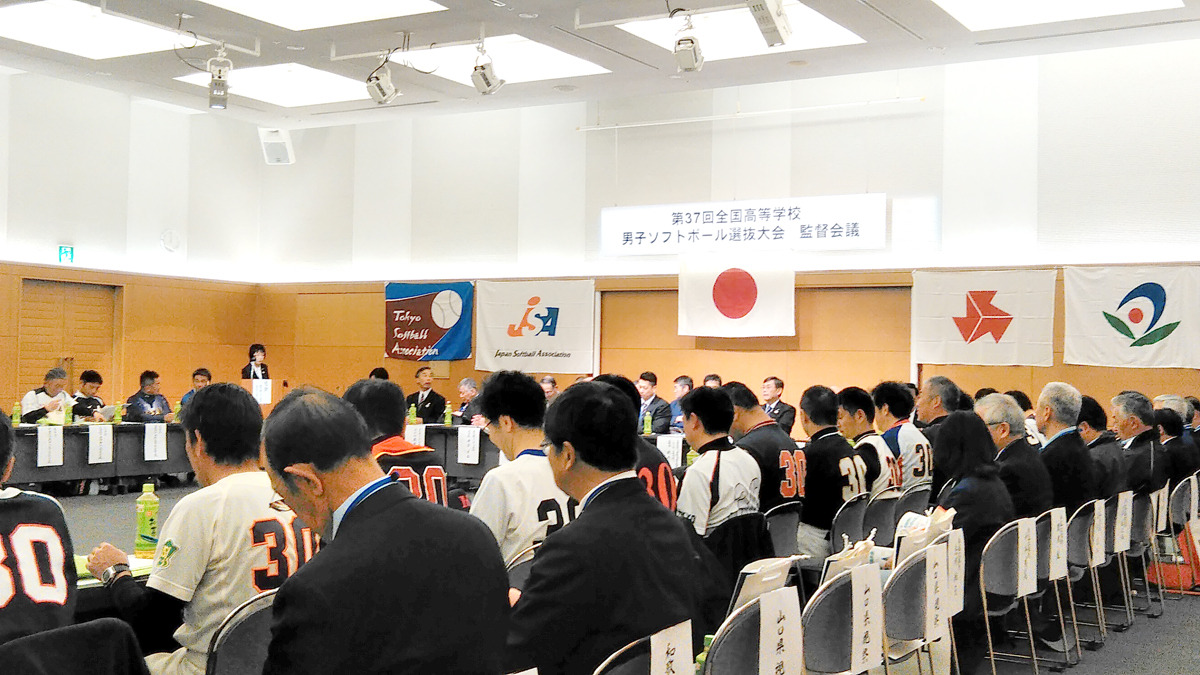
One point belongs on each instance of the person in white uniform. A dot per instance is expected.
(220, 545)
(519, 501)
(724, 480)
(49, 400)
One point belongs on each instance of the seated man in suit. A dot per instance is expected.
(1021, 468)
(469, 411)
(654, 407)
(1108, 457)
(756, 433)
(625, 569)
(1064, 454)
(933, 403)
(431, 406)
(40, 569)
(683, 384)
(201, 378)
(519, 501)
(784, 414)
(652, 467)
(1182, 459)
(401, 586)
(893, 405)
(856, 422)
(381, 404)
(1133, 422)
(149, 405)
(219, 547)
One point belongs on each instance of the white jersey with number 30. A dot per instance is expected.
(916, 456)
(521, 504)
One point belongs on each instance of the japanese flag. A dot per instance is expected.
(718, 298)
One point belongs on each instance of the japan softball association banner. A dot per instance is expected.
(723, 298)
(428, 322)
(1132, 317)
(992, 318)
(537, 326)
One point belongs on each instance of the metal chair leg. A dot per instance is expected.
(1074, 617)
(1062, 626)
(987, 624)
(1126, 585)
(955, 668)
(1033, 657)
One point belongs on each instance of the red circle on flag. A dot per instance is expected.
(734, 293)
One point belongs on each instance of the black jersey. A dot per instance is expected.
(655, 473)
(834, 474)
(37, 565)
(415, 465)
(780, 462)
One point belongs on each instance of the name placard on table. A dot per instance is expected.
(468, 445)
(50, 446)
(155, 447)
(672, 448)
(100, 444)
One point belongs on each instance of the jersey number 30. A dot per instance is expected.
(19, 555)
(273, 534)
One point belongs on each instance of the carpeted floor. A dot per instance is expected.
(93, 520)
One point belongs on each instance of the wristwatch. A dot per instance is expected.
(111, 573)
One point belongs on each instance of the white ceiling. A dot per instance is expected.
(896, 34)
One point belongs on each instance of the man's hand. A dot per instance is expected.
(52, 405)
(169, 417)
(478, 421)
(105, 556)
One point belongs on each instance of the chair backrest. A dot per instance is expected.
(1079, 536)
(998, 566)
(1181, 497)
(849, 520)
(782, 522)
(740, 541)
(881, 516)
(632, 659)
(904, 599)
(519, 566)
(1142, 527)
(915, 499)
(827, 620)
(734, 649)
(763, 576)
(240, 644)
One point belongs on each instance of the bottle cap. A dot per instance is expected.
(148, 487)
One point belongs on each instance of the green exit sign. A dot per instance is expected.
(66, 254)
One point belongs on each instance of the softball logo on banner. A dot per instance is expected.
(1132, 317)
(428, 322)
(537, 326)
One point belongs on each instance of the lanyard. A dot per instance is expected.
(592, 496)
(536, 452)
(371, 489)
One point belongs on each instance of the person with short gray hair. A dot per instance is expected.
(1133, 422)
(49, 400)
(1072, 469)
(1021, 468)
(1182, 456)
(469, 411)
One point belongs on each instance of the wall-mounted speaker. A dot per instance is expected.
(276, 146)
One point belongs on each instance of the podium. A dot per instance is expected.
(266, 392)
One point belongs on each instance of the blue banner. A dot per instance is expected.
(429, 322)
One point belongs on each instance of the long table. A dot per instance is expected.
(128, 459)
(444, 441)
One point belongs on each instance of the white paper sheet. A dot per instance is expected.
(866, 624)
(1026, 556)
(49, 446)
(671, 650)
(100, 444)
(779, 633)
(936, 582)
(1058, 543)
(261, 391)
(956, 572)
(671, 447)
(155, 448)
(1099, 523)
(415, 434)
(1123, 524)
(468, 445)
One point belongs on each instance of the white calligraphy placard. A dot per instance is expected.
(261, 391)
(1193, 499)
(956, 571)
(100, 444)
(1123, 522)
(671, 650)
(1058, 543)
(1096, 536)
(866, 624)
(780, 641)
(1026, 556)
(468, 445)
(671, 447)
(415, 434)
(1160, 500)
(936, 582)
(50, 446)
(155, 447)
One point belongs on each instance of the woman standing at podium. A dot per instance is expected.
(257, 368)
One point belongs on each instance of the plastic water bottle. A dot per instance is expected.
(117, 414)
(646, 428)
(68, 416)
(147, 523)
(178, 408)
(412, 414)
(448, 417)
(16, 416)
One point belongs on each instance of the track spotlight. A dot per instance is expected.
(771, 20)
(688, 57)
(218, 87)
(484, 74)
(379, 84)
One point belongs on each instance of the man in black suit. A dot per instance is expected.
(1182, 458)
(936, 400)
(257, 368)
(1021, 468)
(782, 413)
(1133, 421)
(431, 406)
(654, 407)
(1065, 454)
(756, 433)
(1108, 457)
(625, 568)
(400, 585)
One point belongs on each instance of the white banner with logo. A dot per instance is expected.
(536, 326)
(830, 223)
(984, 318)
(1132, 317)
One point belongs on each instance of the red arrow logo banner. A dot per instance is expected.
(982, 317)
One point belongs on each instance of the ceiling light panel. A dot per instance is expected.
(517, 59)
(307, 14)
(733, 34)
(992, 14)
(288, 85)
(83, 30)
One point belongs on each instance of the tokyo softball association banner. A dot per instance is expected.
(428, 322)
(537, 326)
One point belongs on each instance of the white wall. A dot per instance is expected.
(1084, 157)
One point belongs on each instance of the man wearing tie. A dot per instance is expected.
(657, 409)
(776, 409)
(430, 404)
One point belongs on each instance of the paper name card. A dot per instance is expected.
(1058, 543)
(671, 447)
(671, 650)
(1123, 522)
(261, 391)
(1027, 556)
(1193, 499)
(155, 447)
(49, 446)
(1159, 501)
(468, 445)
(1096, 536)
(937, 620)
(956, 571)
(780, 642)
(866, 622)
(100, 444)
(415, 434)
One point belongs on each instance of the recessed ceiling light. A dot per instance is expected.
(288, 85)
(81, 29)
(294, 48)
(565, 88)
(798, 63)
(527, 15)
(306, 14)
(992, 14)
(516, 58)
(733, 34)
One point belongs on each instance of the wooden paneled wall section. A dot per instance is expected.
(851, 329)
